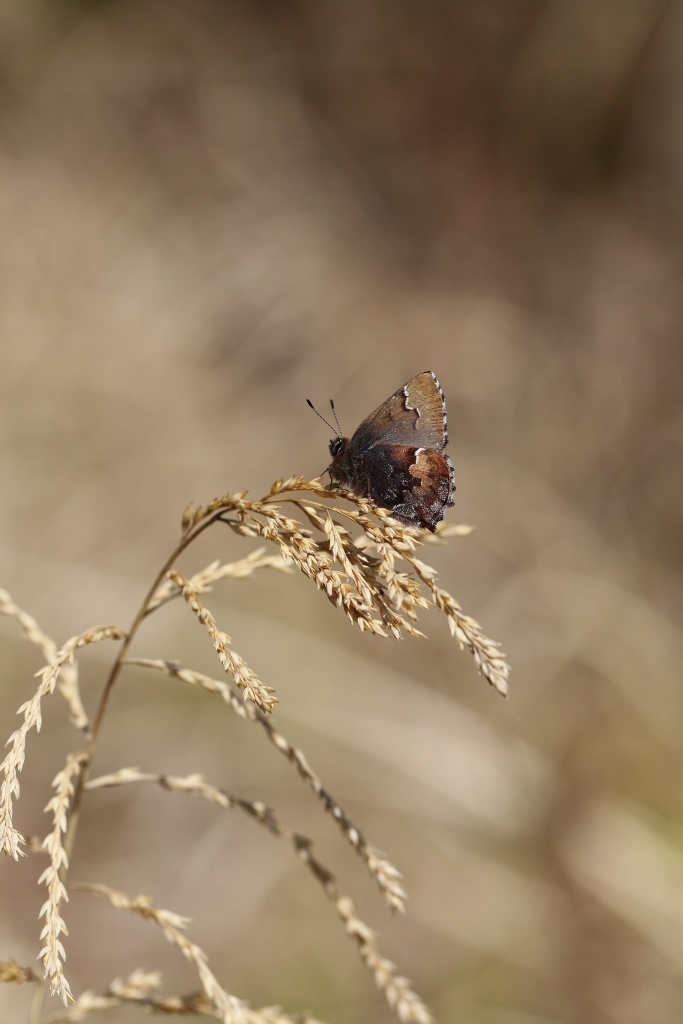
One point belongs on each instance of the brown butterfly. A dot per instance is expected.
(396, 456)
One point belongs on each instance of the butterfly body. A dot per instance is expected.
(396, 455)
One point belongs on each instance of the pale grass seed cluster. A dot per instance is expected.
(366, 564)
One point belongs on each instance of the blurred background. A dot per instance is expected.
(212, 211)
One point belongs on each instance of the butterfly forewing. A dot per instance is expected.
(414, 415)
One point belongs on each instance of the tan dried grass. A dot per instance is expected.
(366, 564)
(11, 839)
(68, 675)
(202, 581)
(387, 876)
(52, 954)
(10, 971)
(397, 989)
(229, 1009)
(141, 988)
(251, 686)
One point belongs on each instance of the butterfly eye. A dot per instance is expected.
(336, 445)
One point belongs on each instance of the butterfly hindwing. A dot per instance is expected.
(415, 484)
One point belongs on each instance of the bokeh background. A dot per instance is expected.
(213, 210)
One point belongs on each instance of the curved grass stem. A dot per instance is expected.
(188, 536)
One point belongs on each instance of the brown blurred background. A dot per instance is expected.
(211, 211)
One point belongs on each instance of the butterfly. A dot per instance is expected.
(396, 456)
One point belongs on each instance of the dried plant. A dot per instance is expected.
(11, 971)
(366, 564)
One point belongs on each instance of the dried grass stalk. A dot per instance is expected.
(138, 987)
(264, 519)
(68, 676)
(52, 954)
(249, 683)
(201, 582)
(314, 561)
(366, 564)
(387, 876)
(395, 540)
(194, 783)
(10, 839)
(396, 989)
(141, 988)
(488, 657)
(445, 530)
(230, 1009)
(10, 971)
(373, 593)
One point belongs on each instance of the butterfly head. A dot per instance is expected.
(336, 445)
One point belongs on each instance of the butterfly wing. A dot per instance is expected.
(414, 416)
(415, 484)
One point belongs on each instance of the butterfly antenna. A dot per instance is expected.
(334, 413)
(321, 417)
